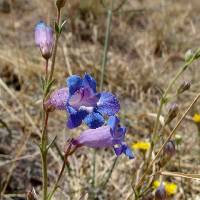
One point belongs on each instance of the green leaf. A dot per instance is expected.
(62, 25)
(43, 82)
(57, 28)
(49, 85)
(52, 142)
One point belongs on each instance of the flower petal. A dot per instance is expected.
(127, 151)
(88, 81)
(40, 33)
(123, 148)
(108, 104)
(113, 122)
(84, 97)
(95, 138)
(118, 150)
(94, 120)
(75, 117)
(74, 83)
(58, 99)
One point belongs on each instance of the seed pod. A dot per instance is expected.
(188, 55)
(31, 195)
(169, 149)
(160, 193)
(183, 87)
(173, 111)
(60, 3)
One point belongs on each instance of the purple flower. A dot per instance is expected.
(110, 135)
(83, 103)
(44, 39)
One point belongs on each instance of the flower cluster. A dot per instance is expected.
(170, 188)
(83, 103)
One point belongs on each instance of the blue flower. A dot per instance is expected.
(44, 39)
(110, 135)
(82, 102)
(85, 104)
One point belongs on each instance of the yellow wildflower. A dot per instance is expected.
(196, 118)
(171, 188)
(144, 146)
(156, 184)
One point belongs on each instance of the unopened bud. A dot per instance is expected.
(178, 139)
(60, 3)
(160, 193)
(44, 39)
(188, 55)
(169, 149)
(173, 112)
(183, 87)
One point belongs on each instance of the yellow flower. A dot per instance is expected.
(144, 146)
(196, 118)
(171, 188)
(156, 184)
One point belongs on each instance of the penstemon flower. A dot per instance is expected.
(44, 39)
(83, 103)
(110, 135)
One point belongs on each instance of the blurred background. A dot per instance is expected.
(148, 41)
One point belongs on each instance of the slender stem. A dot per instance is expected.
(104, 62)
(161, 103)
(106, 46)
(61, 172)
(167, 140)
(103, 66)
(110, 172)
(94, 168)
(58, 21)
(44, 141)
(156, 125)
(46, 69)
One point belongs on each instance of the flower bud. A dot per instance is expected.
(188, 55)
(169, 149)
(44, 39)
(173, 111)
(160, 193)
(183, 87)
(60, 3)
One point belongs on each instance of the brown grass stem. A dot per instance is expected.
(167, 140)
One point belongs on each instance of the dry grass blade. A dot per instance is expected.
(182, 175)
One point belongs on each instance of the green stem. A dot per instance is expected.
(104, 62)
(161, 103)
(58, 21)
(106, 46)
(44, 142)
(110, 173)
(61, 173)
(168, 138)
(94, 168)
